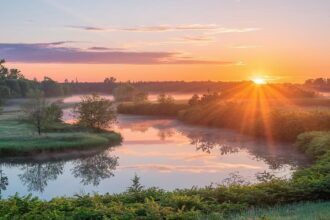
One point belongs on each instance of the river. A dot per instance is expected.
(164, 152)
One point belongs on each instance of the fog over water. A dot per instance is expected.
(164, 152)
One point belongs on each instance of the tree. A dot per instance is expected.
(165, 99)
(53, 113)
(110, 80)
(3, 70)
(95, 112)
(194, 100)
(40, 113)
(136, 185)
(124, 92)
(51, 88)
(15, 74)
(141, 97)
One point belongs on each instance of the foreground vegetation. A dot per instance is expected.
(303, 211)
(230, 200)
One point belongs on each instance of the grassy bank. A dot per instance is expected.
(269, 199)
(150, 108)
(18, 137)
(274, 123)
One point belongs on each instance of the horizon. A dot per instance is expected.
(227, 40)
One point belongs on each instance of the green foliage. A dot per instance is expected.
(136, 185)
(14, 85)
(95, 112)
(229, 201)
(314, 144)
(16, 138)
(300, 211)
(127, 92)
(124, 92)
(148, 108)
(283, 125)
(40, 113)
(140, 97)
(51, 88)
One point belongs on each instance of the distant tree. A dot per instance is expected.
(4, 92)
(3, 70)
(124, 92)
(210, 97)
(95, 112)
(51, 88)
(110, 80)
(53, 113)
(15, 74)
(165, 99)
(40, 113)
(194, 100)
(141, 97)
(136, 185)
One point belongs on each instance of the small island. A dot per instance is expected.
(36, 126)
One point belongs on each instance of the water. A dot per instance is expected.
(164, 152)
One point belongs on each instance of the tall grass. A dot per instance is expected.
(17, 137)
(149, 108)
(303, 211)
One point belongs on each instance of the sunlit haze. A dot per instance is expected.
(146, 40)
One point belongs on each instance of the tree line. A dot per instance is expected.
(13, 84)
(321, 84)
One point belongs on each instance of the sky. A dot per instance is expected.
(149, 40)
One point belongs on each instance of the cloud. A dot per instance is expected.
(57, 52)
(166, 28)
(235, 30)
(105, 49)
(246, 46)
(198, 39)
(159, 28)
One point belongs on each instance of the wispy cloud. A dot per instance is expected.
(167, 28)
(198, 39)
(248, 46)
(57, 52)
(159, 28)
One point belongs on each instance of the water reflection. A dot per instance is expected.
(35, 176)
(3, 181)
(94, 169)
(35, 173)
(220, 141)
(163, 152)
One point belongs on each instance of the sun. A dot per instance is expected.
(259, 81)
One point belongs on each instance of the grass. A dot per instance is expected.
(17, 137)
(303, 211)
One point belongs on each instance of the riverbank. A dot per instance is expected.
(233, 200)
(275, 123)
(18, 137)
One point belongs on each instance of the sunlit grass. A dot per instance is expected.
(304, 211)
(17, 137)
